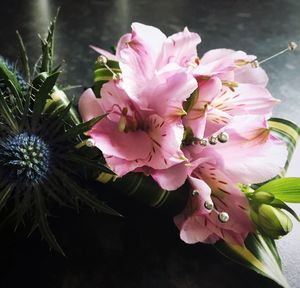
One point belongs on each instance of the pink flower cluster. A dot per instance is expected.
(177, 117)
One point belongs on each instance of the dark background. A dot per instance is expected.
(142, 250)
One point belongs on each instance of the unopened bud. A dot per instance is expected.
(273, 221)
(263, 197)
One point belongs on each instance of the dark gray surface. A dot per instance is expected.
(157, 256)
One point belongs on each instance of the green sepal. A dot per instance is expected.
(191, 101)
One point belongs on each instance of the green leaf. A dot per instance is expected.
(259, 254)
(89, 163)
(287, 131)
(24, 57)
(280, 204)
(102, 74)
(43, 224)
(5, 194)
(87, 198)
(48, 48)
(43, 85)
(16, 94)
(284, 189)
(80, 128)
(7, 114)
(6, 75)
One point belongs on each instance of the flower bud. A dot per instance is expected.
(272, 221)
(263, 197)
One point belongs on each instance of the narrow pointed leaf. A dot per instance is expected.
(81, 128)
(44, 88)
(43, 224)
(6, 74)
(7, 114)
(285, 189)
(88, 198)
(24, 57)
(5, 195)
(17, 96)
(280, 204)
(259, 254)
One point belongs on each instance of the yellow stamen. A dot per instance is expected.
(230, 84)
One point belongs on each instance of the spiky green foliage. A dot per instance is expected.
(40, 132)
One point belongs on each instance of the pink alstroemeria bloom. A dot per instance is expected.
(139, 137)
(252, 155)
(230, 65)
(146, 50)
(198, 224)
(228, 85)
(216, 105)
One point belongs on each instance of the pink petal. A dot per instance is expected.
(219, 61)
(139, 54)
(252, 99)
(166, 143)
(112, 142)
(105, 53)
(171, 178)
(251, 155)
(256, 76)
(121, 166)
(89, 106)
(167, 91)
(179, 48)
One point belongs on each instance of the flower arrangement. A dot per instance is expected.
(186, 133)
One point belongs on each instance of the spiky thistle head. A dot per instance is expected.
(40, 136)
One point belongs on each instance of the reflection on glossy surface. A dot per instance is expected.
(158, 260)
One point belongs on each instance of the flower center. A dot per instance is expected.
(25, 157)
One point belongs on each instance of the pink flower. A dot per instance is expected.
(199, 224)
(146, 50)
(216, 105)
(251, 155)
(231, 65)
(144, 133)
(227, 86)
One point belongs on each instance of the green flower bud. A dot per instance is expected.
(263, 197)
(272, 221)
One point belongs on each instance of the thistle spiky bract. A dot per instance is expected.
(40, 160)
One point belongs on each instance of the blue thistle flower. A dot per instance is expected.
(25, 158)
(40, 161)
(12, 68)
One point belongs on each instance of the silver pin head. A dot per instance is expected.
(223, 217)
(117, 76)
(102, 60)
(213, 140)
(195, 193)
(209, 205)
(254, 64)
(203, 142)
(90, 142)
(223, 137)
(292, 46)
